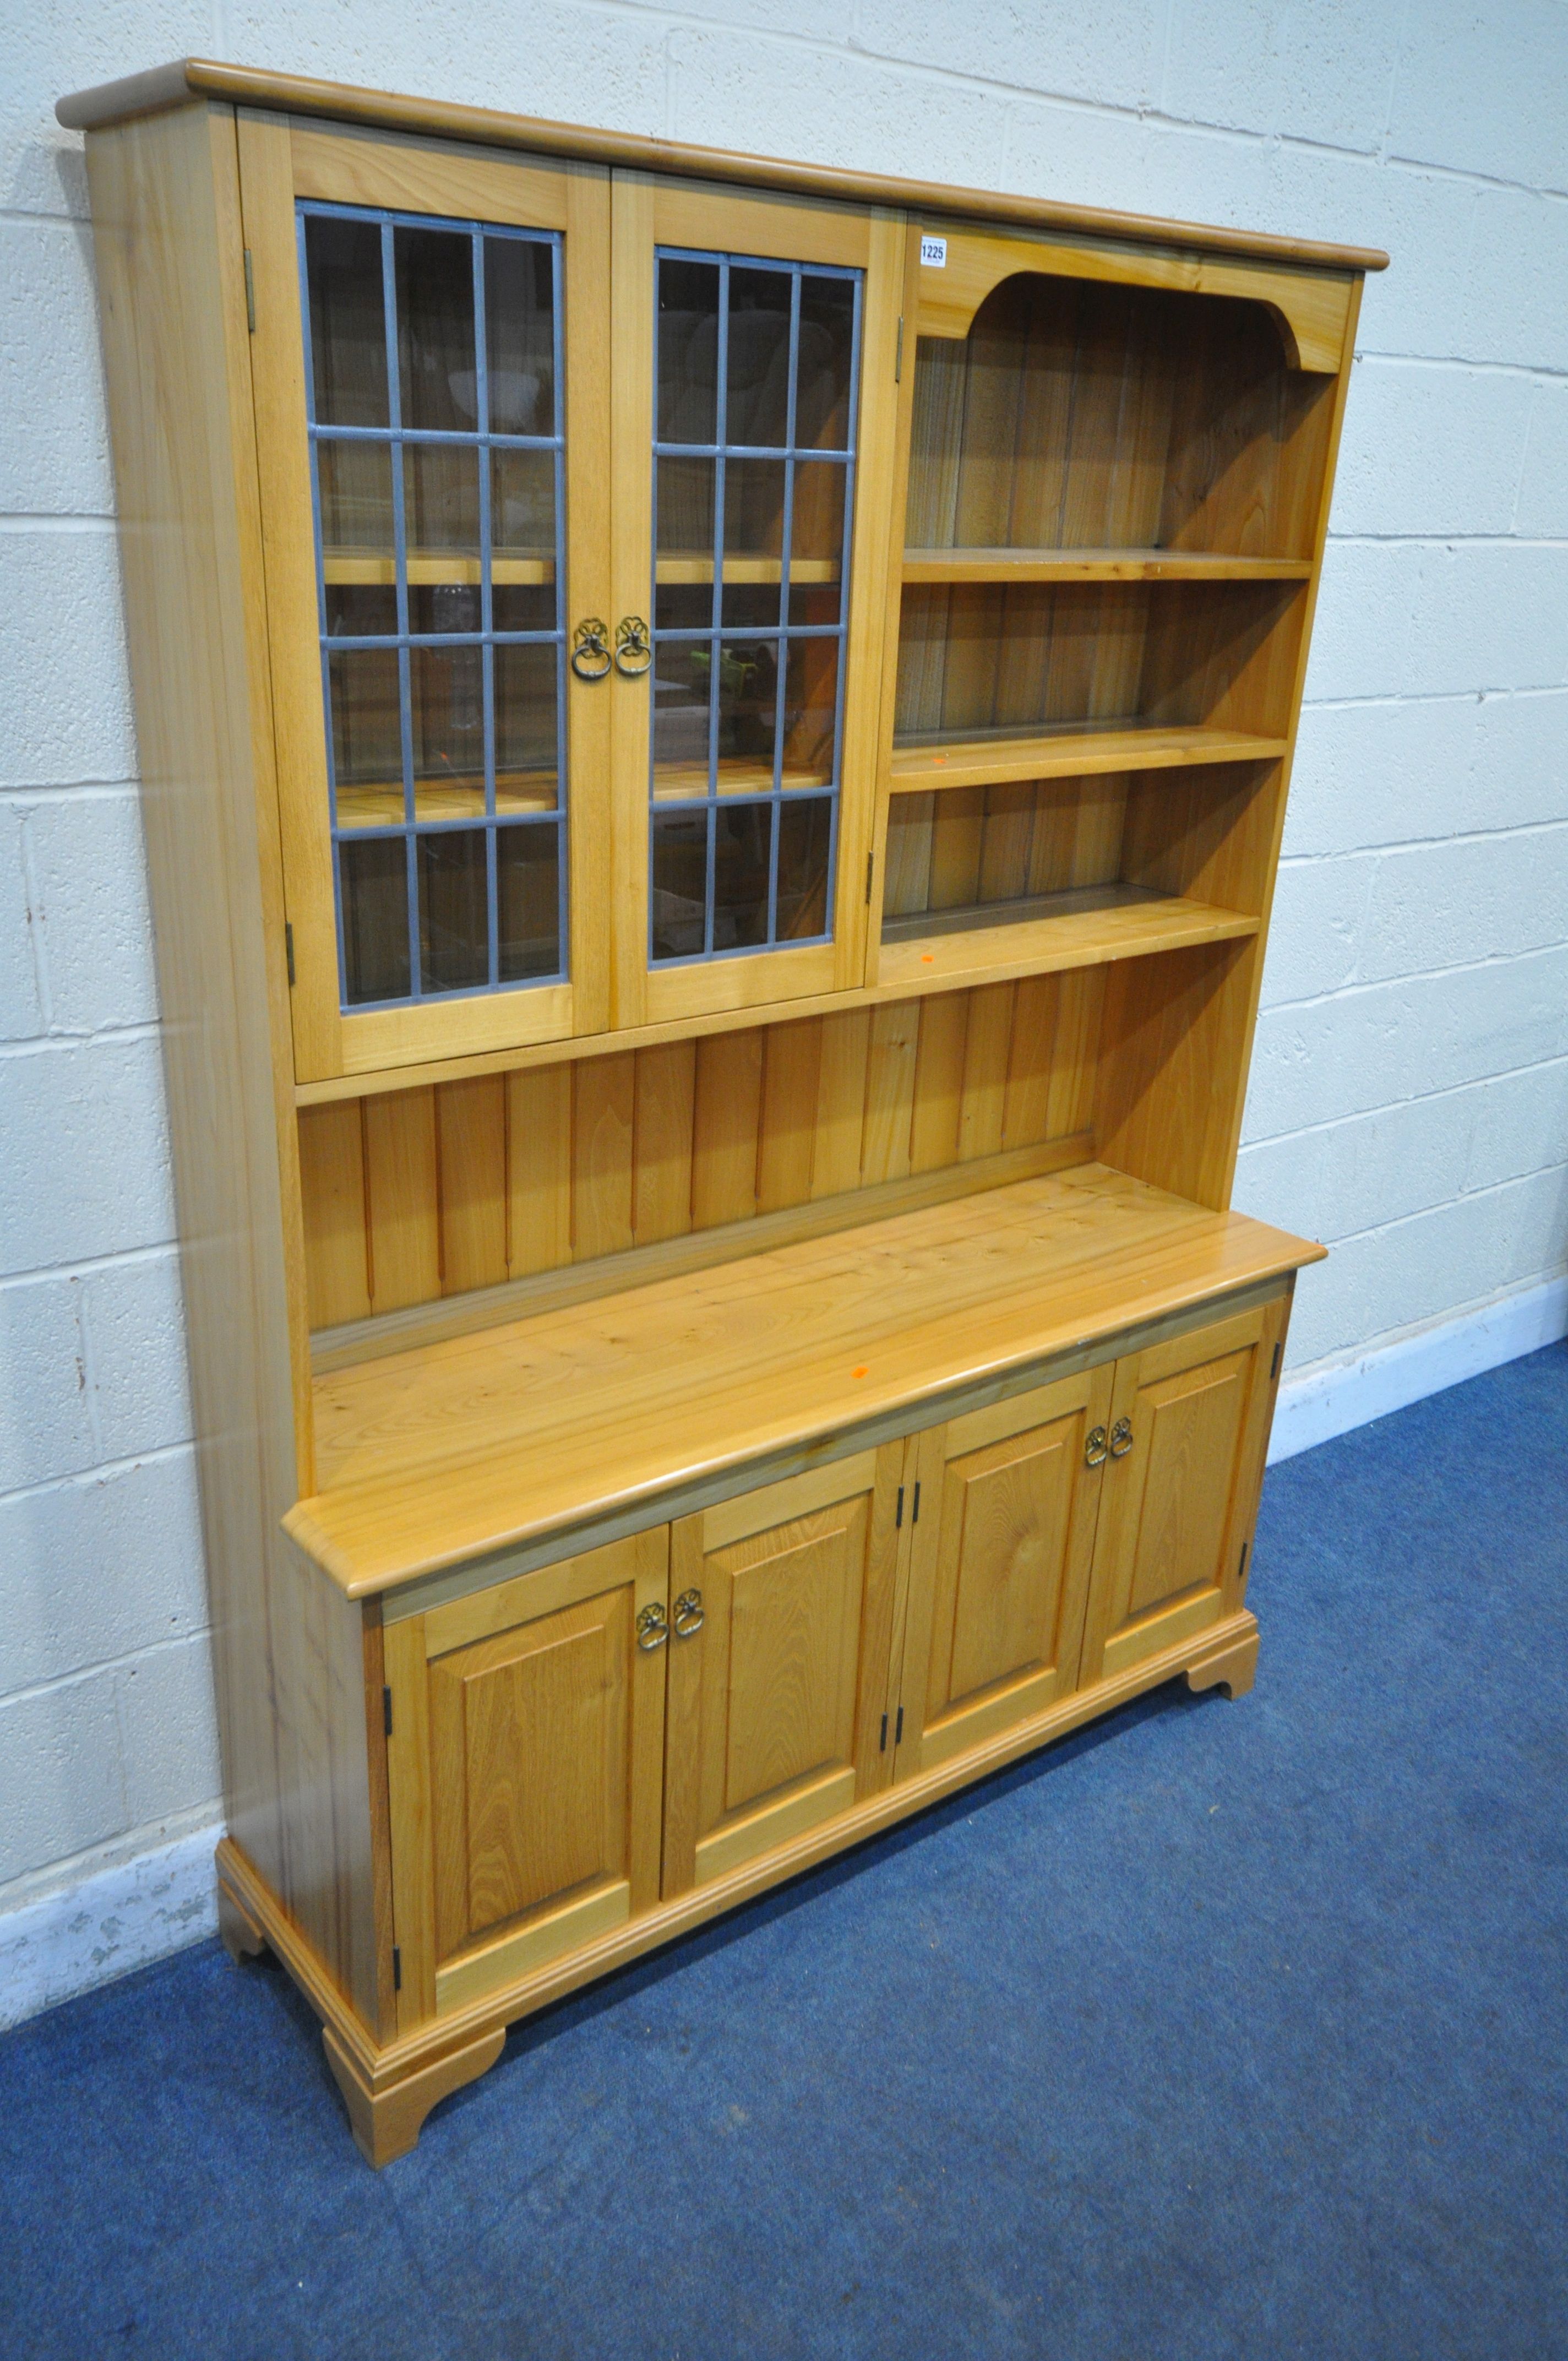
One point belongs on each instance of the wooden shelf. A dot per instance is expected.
(431, 568)
(696, 566)
(987, 942)
(1097, 566)
(1068, 750)
(488, 1441)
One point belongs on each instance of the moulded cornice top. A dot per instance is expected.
(204, 78)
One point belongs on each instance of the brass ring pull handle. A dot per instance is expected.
(590, 650)
(1094, 1453)
(633, 650)
(1121, 1438)
(652, 1629)
(689, 1615)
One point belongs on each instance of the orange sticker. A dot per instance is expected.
(927, 958)
(860, 1373)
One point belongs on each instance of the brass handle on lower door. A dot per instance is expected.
(689, 1615)
(633, 650)
(1121, 1438)
(590, 650)
(1094, 1452)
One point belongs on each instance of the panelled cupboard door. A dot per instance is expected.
(1189, 1426)
(430, 373)
(1002, 1542)
(781, 1618)
(753, 386)
(525, 1765)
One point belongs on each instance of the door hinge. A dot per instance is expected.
(1242, 1568)
(387, 1712)
(289, 953)
(249, 293)
(898, 1512)
(1274, 1370)
(882, 1747)
(871, 862)
(397, 1969)
(914, 1518)
(898, 356)
(898, 1733)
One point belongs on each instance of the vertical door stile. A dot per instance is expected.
(633, 361)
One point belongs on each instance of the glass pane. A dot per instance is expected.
(373, 878)
(827, 352)
(683, 599)
(742, 847)
(520, 335)
(758, 373)
(367, 736)
(441, 503)
(453, 910)
(753, 541)
(811, 695)
(680, 884)
(522, 505)
(528, 902)
(435, 328)
(681, 676)
(444, 606)
(357, 611)
(805, 838)
(747, 704)
(348, 326)
(447, 708)
(688, 351)
(526, 746)
(816, 543)
(356, 485)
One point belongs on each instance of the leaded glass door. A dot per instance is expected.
(431, 366)
(756, 346)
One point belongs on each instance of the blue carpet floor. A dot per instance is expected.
(1219, 2030)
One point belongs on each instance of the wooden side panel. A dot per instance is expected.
(287, 1647)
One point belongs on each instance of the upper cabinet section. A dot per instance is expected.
(430, 368)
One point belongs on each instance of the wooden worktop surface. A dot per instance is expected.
(481, 1443)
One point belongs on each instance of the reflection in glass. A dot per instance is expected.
(441, 500)
(522, 503)
(435, 328)
(806, 843)
(688, 350)
(811, 700)
(528, 902)
(520, 335)
(356, 485)
(681, 717)
(748, 714)
(525, 727)
(742, 849)
(367, 734)
(759, 359)
(453, 910)
(446, 707)
(824, 370)
(757, 378)
(680, 884)
(360, 610)
(348, 327)
(446, 729)
(373, 881)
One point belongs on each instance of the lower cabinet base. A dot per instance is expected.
(390, 2088)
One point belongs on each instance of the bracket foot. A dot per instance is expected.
(387, 2123)
(1230, 1666)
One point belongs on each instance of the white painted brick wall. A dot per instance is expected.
(1410, 1093)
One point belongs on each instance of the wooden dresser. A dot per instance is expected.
(715, 738)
